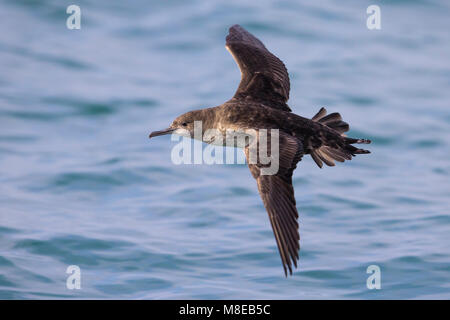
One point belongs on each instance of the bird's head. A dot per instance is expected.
(182, 125)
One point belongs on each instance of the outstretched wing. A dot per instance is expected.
(277, 193)
(264, 77)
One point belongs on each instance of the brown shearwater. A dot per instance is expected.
(260, 102)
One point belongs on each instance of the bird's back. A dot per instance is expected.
(256, 115)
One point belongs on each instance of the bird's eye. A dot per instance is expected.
(184, 124)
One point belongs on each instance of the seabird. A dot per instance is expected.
(260, 102)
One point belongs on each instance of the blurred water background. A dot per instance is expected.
(81, 184)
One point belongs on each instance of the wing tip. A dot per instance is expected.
(234, 26)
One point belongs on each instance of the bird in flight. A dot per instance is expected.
(260, 102)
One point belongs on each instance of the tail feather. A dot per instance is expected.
(322, 112)
(332, 117)
(334, 153)
(325, 157)
(352, 140)
(338, 151)
(333, 120)
(339, 126)
(316, 159)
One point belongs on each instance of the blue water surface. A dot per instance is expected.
(81, 184)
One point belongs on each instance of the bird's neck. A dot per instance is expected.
(208, 118)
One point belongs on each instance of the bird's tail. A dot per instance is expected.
(338, 147)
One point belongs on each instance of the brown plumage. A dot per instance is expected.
(264, 77)
(260, 102)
